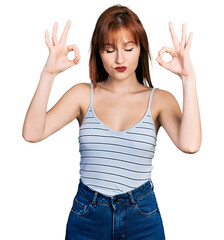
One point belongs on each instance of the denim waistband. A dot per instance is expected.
(130, 196)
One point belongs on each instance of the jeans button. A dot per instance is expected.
(117, 199)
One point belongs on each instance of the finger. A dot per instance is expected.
(47, 40)
(173, 35)
(54, 34)
(65, 32)
(184, 35)
(73, 48)
(162, 63)
(167, 50)
(188, 45)
(76, 60)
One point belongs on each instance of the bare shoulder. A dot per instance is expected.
(82, 93)
(84, 90)
(81, 87)
(166, 104)
(163, 96)
(78, 92)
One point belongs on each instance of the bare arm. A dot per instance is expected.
(35, 119)
(184, 129)
(36, 127)
(190, 128)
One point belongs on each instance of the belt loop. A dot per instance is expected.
(131, 198)
(112, 202)
(94, 199)
(151, 184)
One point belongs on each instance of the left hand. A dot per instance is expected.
(180, 63)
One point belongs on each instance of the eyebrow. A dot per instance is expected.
(110, 44)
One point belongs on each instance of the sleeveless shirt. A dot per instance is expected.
(114, 162)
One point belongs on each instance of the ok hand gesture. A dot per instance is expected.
(180, 63)
(57, 60)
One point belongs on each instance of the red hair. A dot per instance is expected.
(108, 25)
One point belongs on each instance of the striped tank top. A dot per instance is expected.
(114, 162)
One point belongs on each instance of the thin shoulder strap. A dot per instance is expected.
(150, 98)
(91, 99)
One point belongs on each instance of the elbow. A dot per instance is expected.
(196, 149)
(190, 149)
(193, 150)
(31, 135)
(30, 139)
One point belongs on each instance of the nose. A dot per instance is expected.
(119, 57)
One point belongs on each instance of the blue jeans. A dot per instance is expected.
(133, 215)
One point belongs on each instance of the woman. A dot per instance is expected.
(119, 118)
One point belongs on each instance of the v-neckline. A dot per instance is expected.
(130, 128)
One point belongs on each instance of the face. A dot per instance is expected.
(125, 54)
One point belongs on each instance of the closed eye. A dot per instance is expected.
(109, 51)
(128, 50)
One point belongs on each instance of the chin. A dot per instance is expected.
(119, 77)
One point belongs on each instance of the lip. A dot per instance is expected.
(121, 69)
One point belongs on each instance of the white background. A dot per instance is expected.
(39, 180)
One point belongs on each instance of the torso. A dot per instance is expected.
(120, 112)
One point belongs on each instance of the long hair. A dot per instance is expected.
(108, 24)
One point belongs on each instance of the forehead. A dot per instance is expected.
(122, 36)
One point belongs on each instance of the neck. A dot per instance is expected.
(121, 85)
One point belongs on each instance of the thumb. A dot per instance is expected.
(162, 63)
(74, 62)
(76, 59)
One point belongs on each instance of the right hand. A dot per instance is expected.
(57, 60)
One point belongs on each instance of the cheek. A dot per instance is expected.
(106, 63)
(105, 60)
(135, 60)
(134, 56)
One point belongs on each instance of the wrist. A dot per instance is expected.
(46, 72)
(188, 78)
(45, 76)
